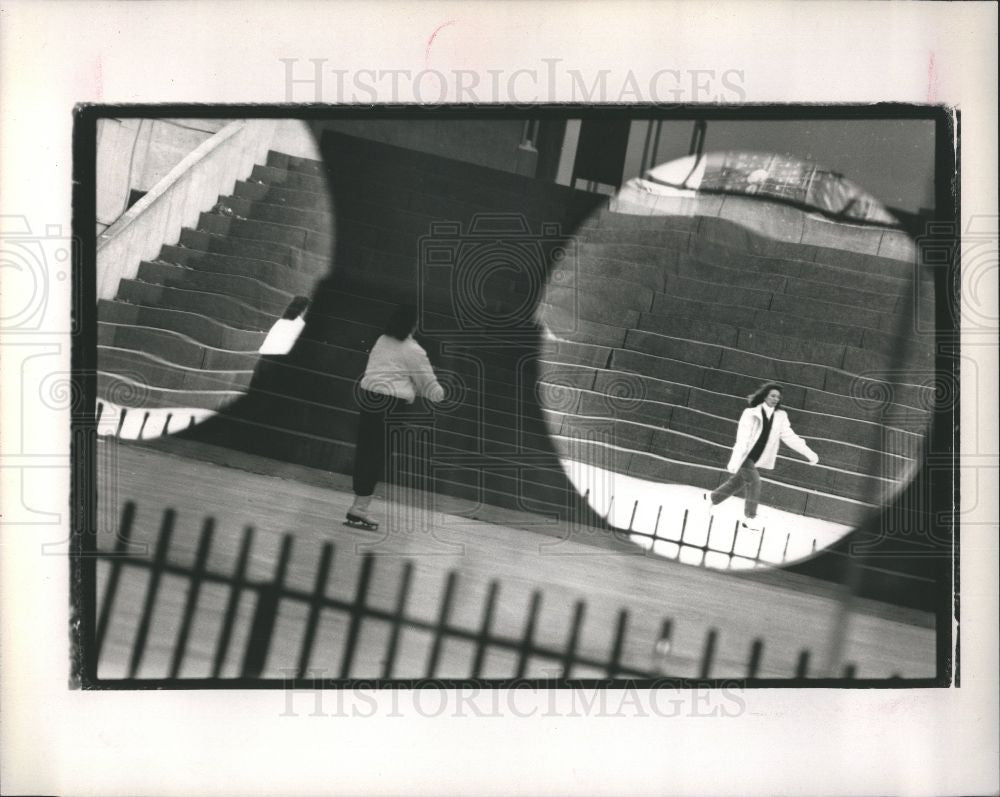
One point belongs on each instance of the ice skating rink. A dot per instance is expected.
(503, 595)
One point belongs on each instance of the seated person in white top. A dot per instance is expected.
(398, 370)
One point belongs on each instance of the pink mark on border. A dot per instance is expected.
(430, 41)
(932, 79)
(99, 79)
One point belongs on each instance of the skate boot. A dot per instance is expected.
(752, 524)
(357, 515)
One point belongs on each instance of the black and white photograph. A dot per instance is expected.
(496, 396)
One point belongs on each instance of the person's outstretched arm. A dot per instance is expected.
(422, 375)
(796, 443)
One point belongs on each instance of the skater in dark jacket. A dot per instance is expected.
(398, 371)
(762, 427)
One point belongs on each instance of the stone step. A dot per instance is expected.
(345, 176)
(227, 310)
(359, 195)
(155, 372)
(259, 191)
(727, 409)
(124, 391)
(709, 252)
(194, 325)
(634, 381)
(325, 300)
(741, 288)
(649, 266)
(311, 219)
(749, 282)
(914, 370)
(751, 371)
(281, 277)
(296, 238)
(611, 304)
(661, 231)
(704, 429)
(786, 326)
(245, 289)
(173, 347)
(500, 374)
(341, 150)
(710, 445)
(279, 254)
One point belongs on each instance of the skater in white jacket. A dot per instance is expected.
(762, 426)
(398, 371)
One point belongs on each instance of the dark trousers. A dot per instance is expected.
(370, 450)
(747, 477)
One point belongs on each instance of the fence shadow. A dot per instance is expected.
(249, 638)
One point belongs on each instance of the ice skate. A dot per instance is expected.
(752, 524)
(358, 517)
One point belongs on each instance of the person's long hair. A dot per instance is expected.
(757, 397)
(402, 322)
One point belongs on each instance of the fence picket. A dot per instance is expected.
(802, 665)
(237, 583)
(265, 614)
(155, 575)
(315, 608)
(357, 612)
(191, 602)
(574, 635)
(111, 588)
(616, 649)
(756, 651)
(441, 628)
(527, 641)
(398, 619)
(483, 637)
(708, 654)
